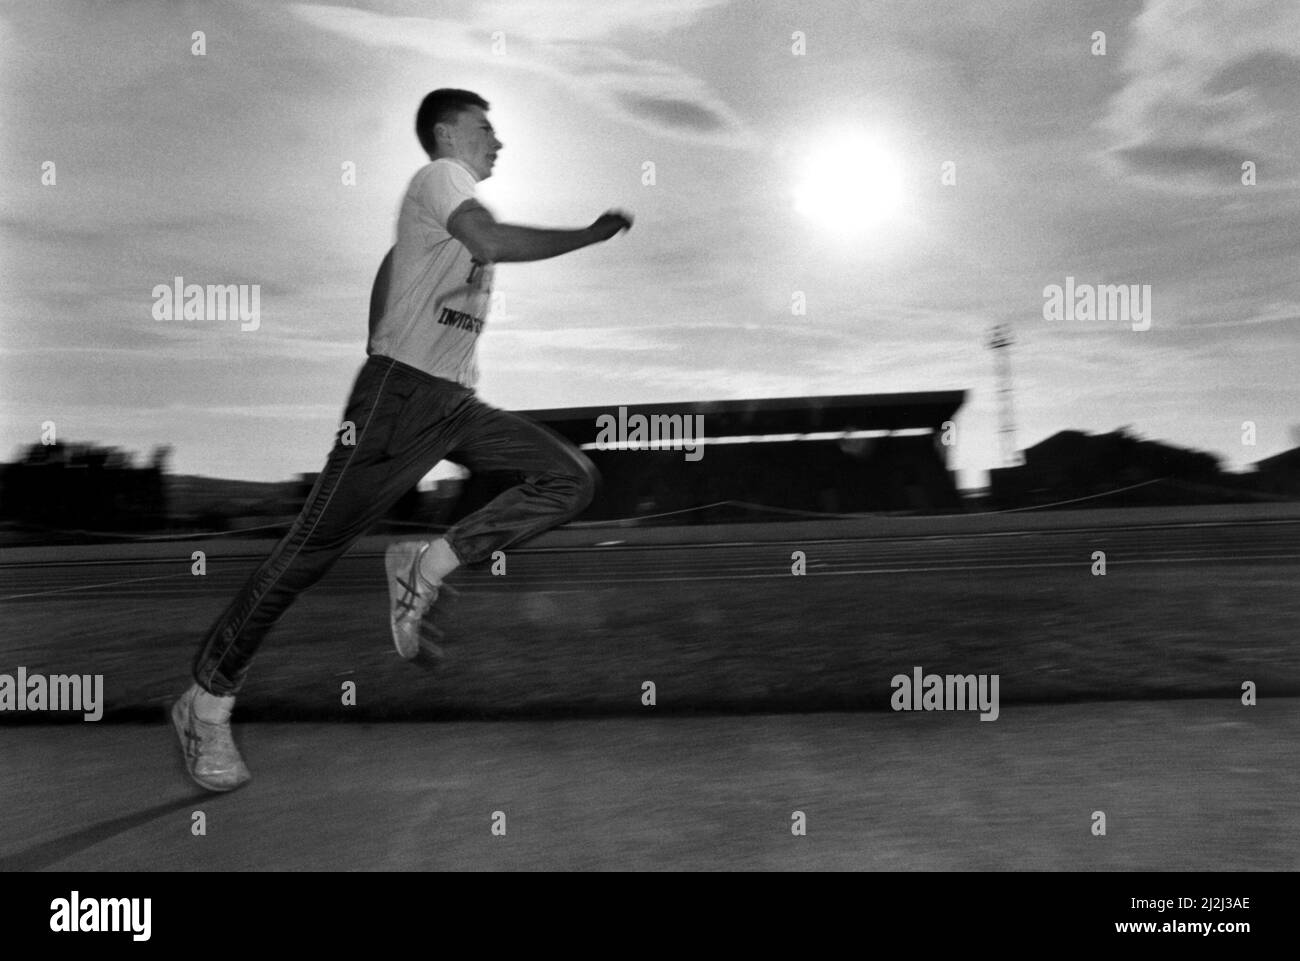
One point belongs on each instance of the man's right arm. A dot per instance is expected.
(493, 242)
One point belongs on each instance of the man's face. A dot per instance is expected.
(472, 140)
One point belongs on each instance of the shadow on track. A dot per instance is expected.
(41, 856)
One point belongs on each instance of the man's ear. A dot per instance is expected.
(446, 133)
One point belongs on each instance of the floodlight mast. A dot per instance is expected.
(1000, 341)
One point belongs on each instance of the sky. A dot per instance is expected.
(830, 198)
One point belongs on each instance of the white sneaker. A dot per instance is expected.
(209, 748)
(412, 595)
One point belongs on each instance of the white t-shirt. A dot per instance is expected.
(437, 293)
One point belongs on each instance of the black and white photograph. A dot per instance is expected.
(615, 436)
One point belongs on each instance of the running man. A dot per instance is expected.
(412, 405)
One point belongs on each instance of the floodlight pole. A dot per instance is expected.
(1000, 341)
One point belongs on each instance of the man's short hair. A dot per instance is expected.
(442, 106)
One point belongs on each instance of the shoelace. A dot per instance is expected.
(216, 737)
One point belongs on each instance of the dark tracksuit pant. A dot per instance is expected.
(405, 422)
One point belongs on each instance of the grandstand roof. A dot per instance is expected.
(775, 415)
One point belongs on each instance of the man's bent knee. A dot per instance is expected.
(581, 485)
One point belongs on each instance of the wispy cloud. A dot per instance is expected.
(655, 95)
(588, 20)
(1209, 87)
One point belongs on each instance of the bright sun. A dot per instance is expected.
(849, 183)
